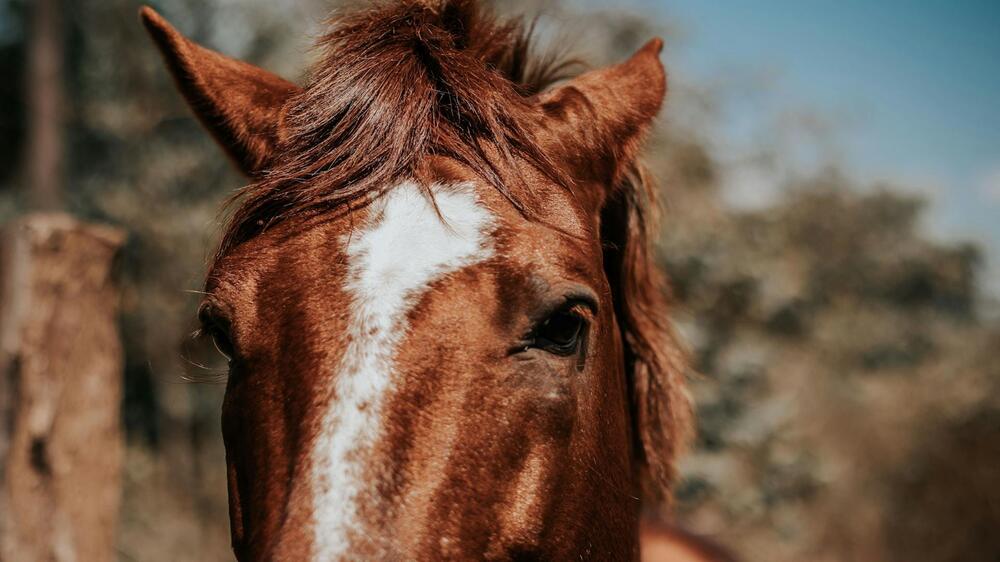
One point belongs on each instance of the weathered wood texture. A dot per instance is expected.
(60, 390)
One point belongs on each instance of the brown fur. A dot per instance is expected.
(440, 92)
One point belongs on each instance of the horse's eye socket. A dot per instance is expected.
(561, 332)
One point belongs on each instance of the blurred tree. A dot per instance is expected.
(831, 333)
(12, 89)
(45, 103)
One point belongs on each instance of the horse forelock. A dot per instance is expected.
(395, 84)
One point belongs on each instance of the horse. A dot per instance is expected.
(446, 333)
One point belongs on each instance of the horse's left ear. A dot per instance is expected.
(594, 122)
(240, 104)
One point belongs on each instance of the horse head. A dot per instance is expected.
(447, 336)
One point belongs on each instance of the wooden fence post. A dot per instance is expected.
(60, 390)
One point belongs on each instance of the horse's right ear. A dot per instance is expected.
(240, 104)
(594, 122)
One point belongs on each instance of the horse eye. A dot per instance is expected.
(560, 333)
(218, 329)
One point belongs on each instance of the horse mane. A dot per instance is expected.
(395, 83)
(656, 363)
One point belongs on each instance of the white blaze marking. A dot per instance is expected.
(391, 262)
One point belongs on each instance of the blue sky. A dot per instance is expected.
(910, 90)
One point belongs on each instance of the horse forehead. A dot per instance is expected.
(402, 240)
(413, 232)
(415, 235)
(417, 224)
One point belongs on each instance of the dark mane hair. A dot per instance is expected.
(656, 363)
(395, 83)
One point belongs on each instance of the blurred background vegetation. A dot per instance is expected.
(848, 393)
